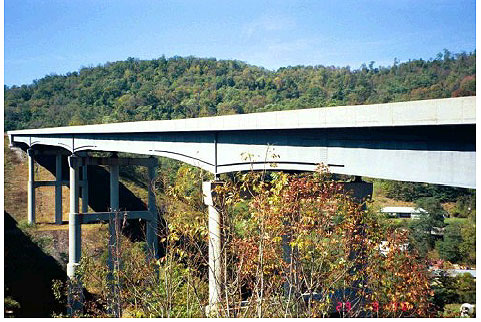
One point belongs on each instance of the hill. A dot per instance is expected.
(181, 87)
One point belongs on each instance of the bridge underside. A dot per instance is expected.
(441, 154)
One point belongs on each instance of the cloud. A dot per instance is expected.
(266, 24)
(273, 54)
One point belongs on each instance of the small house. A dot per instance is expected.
(403, 212)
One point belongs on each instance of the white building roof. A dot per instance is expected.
(403, 210)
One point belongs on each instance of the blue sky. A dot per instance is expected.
(59, 36)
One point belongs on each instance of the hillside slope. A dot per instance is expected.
(191, 87)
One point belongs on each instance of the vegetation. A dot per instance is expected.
(413, 191)
(421, 230)
(450, 291)
(179, 87)
(294, 246)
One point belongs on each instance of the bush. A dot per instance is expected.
(448, 248)
(465, 285)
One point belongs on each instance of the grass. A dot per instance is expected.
(455, 220)
(452, 310)
(401, 221)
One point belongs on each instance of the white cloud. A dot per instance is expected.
(267, 23)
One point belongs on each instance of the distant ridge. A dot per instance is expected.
(181, 87)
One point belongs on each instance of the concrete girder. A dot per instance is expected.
(443, 154)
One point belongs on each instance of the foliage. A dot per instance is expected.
(448, 248)
(449, 290)
(459, 243)
(182, 87)
(294, 246)
(10, 306)
(435, 211)
(153, 288)
(465, 206)
(467, 248)
(412, 191)
(309, 248)
(444, 290)
(421, 229)
(466, 288)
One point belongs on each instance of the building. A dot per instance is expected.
(403, 212)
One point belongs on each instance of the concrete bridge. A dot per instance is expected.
(429, 141)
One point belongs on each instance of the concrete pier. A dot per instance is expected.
(31, 187)
(75, 233)
(152, 225)
(115, 223)
(58, 189)
(114, 218)
(85, 189)
(215, 245)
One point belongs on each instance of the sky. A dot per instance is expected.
(42, 37)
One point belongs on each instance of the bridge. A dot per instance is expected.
(422, 141)
(430, 141)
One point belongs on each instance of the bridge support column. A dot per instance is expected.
(152, 225)
(75, 238)
(359, 190)
(288, 255)
(75, 233)
(85, 189)
(215, 246)
(115, 222)
(31, 187)
(58, 189)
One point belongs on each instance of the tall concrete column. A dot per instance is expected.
(152, 225)
(114, 232)
(75, 233)
(85, 190)
(58, 189)
(286, 256)
(31, 187)
(114, 207)
(360, 191)
(215, 245)
(75, 298)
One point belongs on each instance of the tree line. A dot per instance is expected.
(184, 87)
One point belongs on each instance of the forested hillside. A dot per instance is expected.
(180, 87)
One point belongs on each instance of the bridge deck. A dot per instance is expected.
(427, 112)
(425, 141)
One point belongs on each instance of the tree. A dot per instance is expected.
(420, 229)
(467, 248)
(448, 248)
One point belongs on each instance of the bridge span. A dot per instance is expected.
(431, 141)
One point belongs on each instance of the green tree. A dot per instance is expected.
(421, 229)
(466, 288)
(448, 248)
(468, 245)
